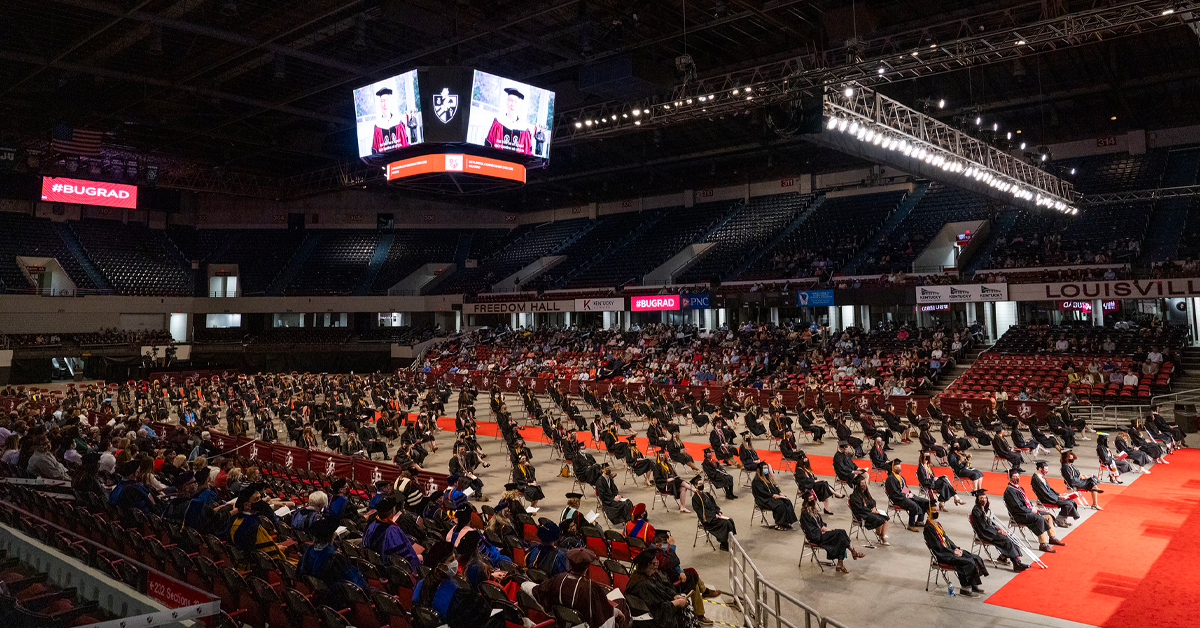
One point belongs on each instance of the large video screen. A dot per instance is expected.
(510, 116)
(387, 115)
(63, 190)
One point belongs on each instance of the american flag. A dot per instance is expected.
(75, 141)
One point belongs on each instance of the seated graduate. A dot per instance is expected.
(1116, 465)
(668, 482)
(455, 604)
(616, 507)
(836, 543)
(1026, 513)
(879, 457)
(987, 531)
(937, 485)
(709, 514)
(1080, 482)
(808, 423)
(678, 452)
(844, 467)
(844, 435)
(719, 477)
(1005, 451)
(636, 460)
(961, 464)
(788, 449)
(1140, 457)
(1049, 497)
(967, 566)
(864, 509)
(807, 481)
(721, 440)
(900, 495)
(525, 477)
(246, 530)
(323, 561)
(747, 454)
(768, 496)
(574, 590)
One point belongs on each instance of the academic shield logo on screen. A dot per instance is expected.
(445, 105)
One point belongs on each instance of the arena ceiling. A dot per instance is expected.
(253, 96)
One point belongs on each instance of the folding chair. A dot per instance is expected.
(701, 530)
(978, 545)
(1000, 464)
(659, 496)
(762, 515)
(811, 550)
(859, 531)
(939, 569)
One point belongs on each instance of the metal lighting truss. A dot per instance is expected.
(1109, 198)
(993, 37)
(887, 129)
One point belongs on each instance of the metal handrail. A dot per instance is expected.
(763, 604)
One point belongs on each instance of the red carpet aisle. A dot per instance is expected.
(1133, 565)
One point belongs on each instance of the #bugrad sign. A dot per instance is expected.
(63, 190)
(654, 303)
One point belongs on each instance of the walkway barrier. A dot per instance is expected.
(763, 604)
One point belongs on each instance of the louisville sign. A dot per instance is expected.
(965, 293)
(1122, 289)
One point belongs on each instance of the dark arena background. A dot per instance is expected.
(467, 313)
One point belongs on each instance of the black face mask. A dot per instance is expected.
(933, 515)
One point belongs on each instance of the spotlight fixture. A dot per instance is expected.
(637, 112)
(735, 92)
(578, 124)
(1072, 171)
(1020, 42)
(915, 53)
(666, 106)
(689, 101)
(749, 88)
(678, 104)
(995, 126)
(848, 93)
(1009, 136)
(1045, 156)
(1022, 145)
(614, 117)
(879, 71)
(624, 115)
(647, 112)
(588, 122)
(637, 123)
(1113, 118)
(1168, 11)
(978, 120)
(833, 121)
(942, 103)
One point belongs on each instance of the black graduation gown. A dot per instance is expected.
(958, 463)
(616, 511)
(1074, 480)
(524, 476)
(1050, 497)
(1022, 510)
(916, 506)
(718, 477)
(721, 441)
(844, 468)
(939, 484)
(986, 530)
(781, 508)
(677, 452)
(807, 481)
(788, 449)
(1138, 456)
(706, 509)
(665, 480)
(749, 458)
(968, 567)
(834, 542)
(861, 506)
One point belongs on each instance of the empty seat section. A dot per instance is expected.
(37, 239)
(337, 263)
(136, 259)
(745, 234)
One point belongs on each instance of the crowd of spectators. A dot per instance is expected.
(110, 336)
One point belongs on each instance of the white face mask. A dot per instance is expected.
(452, 566)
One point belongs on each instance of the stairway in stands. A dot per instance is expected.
(76, 249)
(1170, 215)
(381, 254)
(999, 230)
(902, 211)
(281, 281)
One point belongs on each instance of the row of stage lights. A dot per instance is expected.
(879, 136)
(737, 92)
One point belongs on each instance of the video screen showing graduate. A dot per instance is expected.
(510, 116)
(387, 115)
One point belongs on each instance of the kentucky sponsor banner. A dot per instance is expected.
(607, 304)
(695, 301)
(519, 307)
(1121, 289)
(814, 298)
(963, 293)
